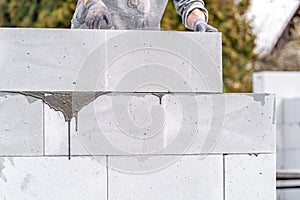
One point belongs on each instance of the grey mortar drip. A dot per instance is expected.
(69, 103)
(160, 95)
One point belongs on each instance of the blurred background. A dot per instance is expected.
(261, 53)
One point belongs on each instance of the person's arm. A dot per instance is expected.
(186, 7)
(194, 15)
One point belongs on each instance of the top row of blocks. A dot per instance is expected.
(110, 60)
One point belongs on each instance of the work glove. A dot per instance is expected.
(201, 26)
(98, 15)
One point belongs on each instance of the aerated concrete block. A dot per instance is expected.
(153, 177)
(250, 177)
(21, 125)
(289, 194)
(279, 159)
(283, 84)
(56, 132)
(119, 124)
(291, 111)
(291, 135)
(109, 60)
(226, 123)
(291, 158)
(53, 178)
(126, 124)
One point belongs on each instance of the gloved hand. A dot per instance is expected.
(201, 26)
(98, 15)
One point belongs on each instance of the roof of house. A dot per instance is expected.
(269, 19)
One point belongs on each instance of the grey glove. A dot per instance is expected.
(201, 26)
(98, 15)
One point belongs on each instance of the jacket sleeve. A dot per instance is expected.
(184, 7)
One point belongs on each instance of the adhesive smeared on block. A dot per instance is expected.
(160, 95)
(69, 103)
(259, 98)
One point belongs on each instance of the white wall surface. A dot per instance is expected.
(193, 143)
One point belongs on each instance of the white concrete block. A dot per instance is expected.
(279, 159)
(190, 177)
(121, 124)
(291, 111)
(21, 125)
(289, 194)
(106, 60)
(280, 195)
(286, 86)
(291, 158)
(52, 178)
(250, 177)
(96, 123)
(280, 137)
(283, 84)
(56, 132)
(291, 137)
(227, 123)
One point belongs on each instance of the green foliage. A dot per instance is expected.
(55, 13)
(227, 16)
(171, 20)
(3, 13)
(37, 13)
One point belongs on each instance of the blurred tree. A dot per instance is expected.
(226, 15)
(36, 13)
(55, 13)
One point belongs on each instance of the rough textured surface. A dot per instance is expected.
(53, 178)
(93, 60)
(122, 124)
(158, 145)
(56, 132)
(118, 124)
(190, 177)
(250, 177)
(21, 125)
